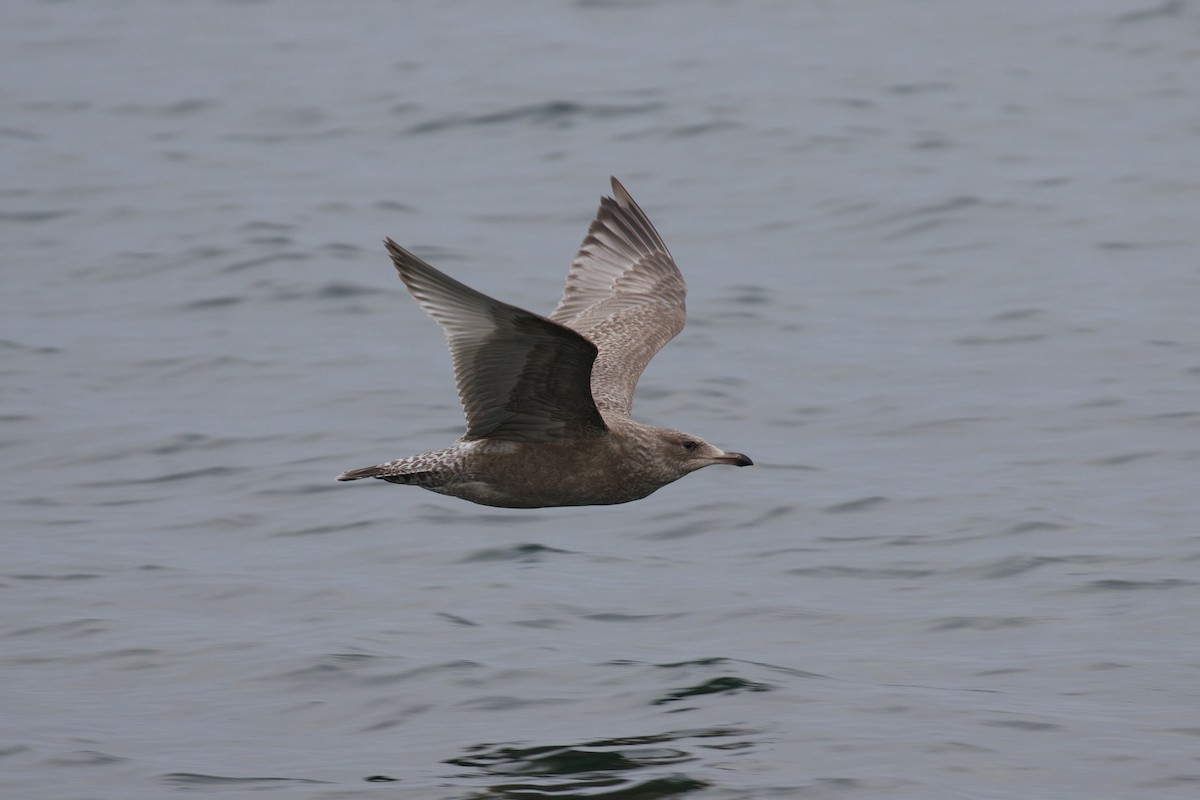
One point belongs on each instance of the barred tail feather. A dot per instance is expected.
(426, 469)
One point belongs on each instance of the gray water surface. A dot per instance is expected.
(944, 269)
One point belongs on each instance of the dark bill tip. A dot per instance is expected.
(737, 460)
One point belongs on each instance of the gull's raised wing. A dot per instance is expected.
(625, 294)
(520, 376)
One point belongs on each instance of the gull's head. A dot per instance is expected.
(687, 453)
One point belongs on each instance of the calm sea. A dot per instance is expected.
(944, 263)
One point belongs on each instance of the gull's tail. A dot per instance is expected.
(426, 469)
(376, 471)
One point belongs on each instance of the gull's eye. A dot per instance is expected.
(688, 444)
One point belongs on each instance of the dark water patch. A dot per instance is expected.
(191, 442)
(790, 671)
(196, 780)
(748, 294)
(859, 103)
(1021, 724)
(10, 344)
(1118, 585)
(616, 617)
(74, 629)
(988, 673)
(715, 661)
(555, 113)
(975, 341)
(982, 623)
(1033, 526)
(950, 423)
(861, 504)
(1124, 458)
(917, 228)
(1189, 780)
(302, 489)
(1170, 8)
(1103, 401)
(931, 141)
(84, 758)
(38, 501)
(918, 88)
(183, 366)
(1018, 564)
(767, 516)
(626, 768)
(22, 134)
(394, 205)
(1175, 416)
(320, 530)
(252, 263)
(726, 684)
(957, 203)
(695, 662)
(701, 128)
(838, 571)
(14, 750)
(274, 241)
(543, 623)
(1184, 731)
(66, 576)
(280, 137)
(126, 659)
(364, 669)
(352, 658)
(523, 553)
(139, 657)
(457, 620)
(340, 291)
(211, 302)
(669, 787)
(955, 747)
(1017, 314)
(231, 523)
(551, 760)
(503, 702)
(60, 106)
(206, 252)
(718, 660)
(1151, 245)
(684, 529)
(1046, 183)
(180, 443)
(207, 472)
(175, 109)
(267, 225)
(44, 215)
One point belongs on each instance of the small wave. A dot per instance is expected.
(558, 113)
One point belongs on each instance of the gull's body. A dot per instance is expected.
(548, 400)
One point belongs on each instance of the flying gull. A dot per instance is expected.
(548, 399)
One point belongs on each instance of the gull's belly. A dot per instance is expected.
(534, 475)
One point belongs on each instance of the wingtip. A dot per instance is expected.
(405, 261)
(394, 250)
(620, 193)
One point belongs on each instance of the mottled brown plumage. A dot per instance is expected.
(548, 400)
